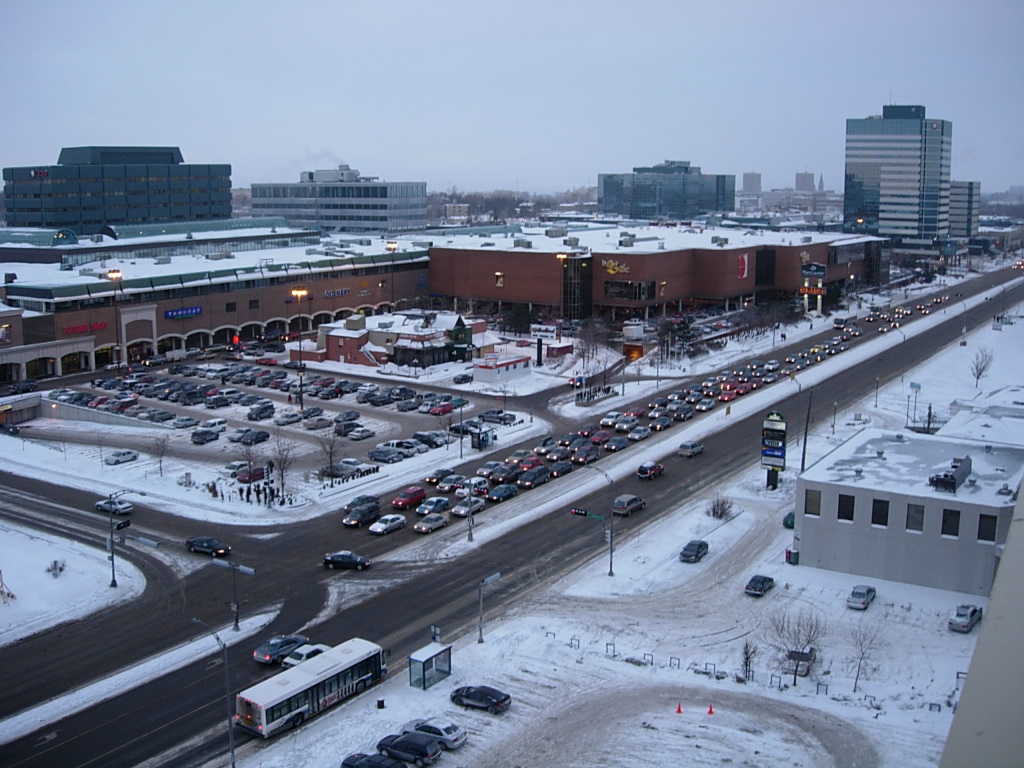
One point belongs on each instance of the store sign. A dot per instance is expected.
(613, 267)
(336, 293)
(543, 331)
(71, 330)
(773, 441)
(813, 271)
(175, 314)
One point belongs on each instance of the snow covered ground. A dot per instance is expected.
(603, 670)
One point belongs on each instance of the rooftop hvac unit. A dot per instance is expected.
(556, 232)
(627, 240)
(162, 260)
(571, 242)
(805, 239)
(97, 238)
(521, 242)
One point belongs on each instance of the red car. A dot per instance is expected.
(412, 496)
(649, 470)
(728, 396)
(530, 462)
(442, 408)
(744, 388)
(98, 401)
(639, 413)
(600, 437)
(251, 475)
(266, 361)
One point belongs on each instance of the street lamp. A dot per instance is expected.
(114, 496)
(227, 687)
(299, 294)
(234, 585)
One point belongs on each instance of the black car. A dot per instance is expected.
(361, 501)
(405, 406)
(438, 475)
(758, 586)
(415, 747)
(9, 429)
(463, 378)
(254, 437)
(274, 650)
(502, 492)
(694, 551)
(481, 697)
(360, 760)
(346, 416)
(366, 514)
(208, 545)
(345, 559)
(25, 385)
(561, 468)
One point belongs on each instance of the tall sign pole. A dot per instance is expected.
(773, 447)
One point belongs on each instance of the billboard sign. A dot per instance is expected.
(773, 441)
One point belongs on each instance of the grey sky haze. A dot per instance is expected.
(528, 95)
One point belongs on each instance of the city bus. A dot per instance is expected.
(840, 323)
(288, 698)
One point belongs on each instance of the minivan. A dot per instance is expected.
(214, 425)
(217, 401)
(204, 436)
(472, 486)
(626, 504)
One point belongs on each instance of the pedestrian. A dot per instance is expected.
(289, 397)
(248, 494)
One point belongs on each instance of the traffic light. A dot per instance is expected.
(578, 511)
(122, 525)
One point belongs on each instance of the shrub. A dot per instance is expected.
(56, 568)
(720, 508)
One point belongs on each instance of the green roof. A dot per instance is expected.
(44, 238)
(130, 231)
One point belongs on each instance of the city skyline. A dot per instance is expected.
(479, 98)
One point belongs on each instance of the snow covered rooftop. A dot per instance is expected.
(903, 462)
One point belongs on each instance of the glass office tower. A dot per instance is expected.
(897, 175)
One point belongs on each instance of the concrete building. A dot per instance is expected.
(673, 189)
(897, 175)
(95, 187)
(804, 182)
(917, 508)
(752, 183)
(342, 200)
(964, 208)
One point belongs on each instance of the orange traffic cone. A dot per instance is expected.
(679, 708)
(711, 709)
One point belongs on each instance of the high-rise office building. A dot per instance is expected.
(964, 208)
(93, 187)
(804, 182)
(752, 183)
(897, 175)
(670, 190)
(340, 200)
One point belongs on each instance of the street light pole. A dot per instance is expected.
(299, 294)
(227, 687)
(115, 276)
(234, 583)
(114, 496)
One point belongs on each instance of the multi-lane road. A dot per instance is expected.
(178, 718)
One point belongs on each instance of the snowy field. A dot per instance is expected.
(603, 670)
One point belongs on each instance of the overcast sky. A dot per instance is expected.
(533, 95)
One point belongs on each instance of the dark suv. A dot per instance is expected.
(415, 747)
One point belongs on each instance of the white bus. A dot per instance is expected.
(289, 697)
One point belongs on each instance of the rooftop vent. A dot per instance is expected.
(899, 437)
(880, 453)
(988, 449)
(858, 471)
(10, 277)
(1005, 490)
(953, 477)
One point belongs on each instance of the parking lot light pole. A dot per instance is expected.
(114, 496)
(235, 568)
(227, 687)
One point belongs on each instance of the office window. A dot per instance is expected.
(951, 522)
(880, 512)
(812, 502)
(230, 306)
(915, 517)
(845, 508)
(254, 303)
(987, 528)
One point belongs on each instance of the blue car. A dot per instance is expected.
(432, 505)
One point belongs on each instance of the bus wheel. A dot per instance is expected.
(360, 686)
(298, 720)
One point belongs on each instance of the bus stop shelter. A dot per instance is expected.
(430, 664)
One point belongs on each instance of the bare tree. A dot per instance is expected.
(445, 421)
(282, 454)
(720, 508)
(159, 449)
(251, 455)
(749, 652)
(787, 632)
(868, 640)
(980, 364)
(330, 447)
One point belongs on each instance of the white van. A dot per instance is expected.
(217, 371)
(214, 425)
(472, 486)
(303, 653)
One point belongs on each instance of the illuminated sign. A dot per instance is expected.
(70, 330)
(173, 314)
(336, 293)
(613, 267)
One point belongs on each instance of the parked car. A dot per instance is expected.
(502, 492)
(694, 551)
(387, 523)
(626, 504)
(800, 661)
(120, 457)
(861, 597)
(376, 760)
(291, 417)
(361, 433)
(237, 435)
(463, 378)
(254, 437)
(690, 448)
(468, 507)
(203, 436)
(650, 470)
(409, 498)
(345, 559)
(789, 521)
(252, 475)
(346, 468)
(443, 731)
(114, 506)
(303, 653)
(481, 697)
(964, 618)
(758, 586)
(317, 422)
(430, 523)
(184, 422)
(386, 455)
(277, 647)
(415, 747)
(498, 416)
(208, 545)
